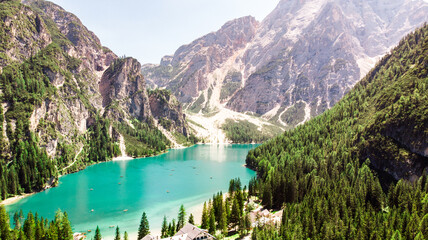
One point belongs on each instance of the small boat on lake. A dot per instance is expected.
(125, 210)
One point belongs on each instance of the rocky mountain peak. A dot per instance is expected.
(86, 44)
(19, 45)
(298, 62)
(231, 36)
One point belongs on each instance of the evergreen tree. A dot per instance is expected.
(4, 223)
(65, 232)
(29, 226)
(173, 228)
(170, 229)
(205, 217)
(164, 230)
(97, 234)
(223, 222)
(117, 236)
(191, 219)
(21, 235)
(125, 236)
(181, 217)
(144, 228)
(212, 224)
(235, 214)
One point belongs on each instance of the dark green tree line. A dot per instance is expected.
(325, 174)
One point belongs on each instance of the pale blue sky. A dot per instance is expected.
(150, 29)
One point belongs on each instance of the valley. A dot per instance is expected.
(157, 185)
(316, 117)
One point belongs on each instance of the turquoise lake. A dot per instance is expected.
(156, 185)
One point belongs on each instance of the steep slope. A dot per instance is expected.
(321, 168)
(298, 62)
(124, 92)
(66, 101)
(201, 75)
(186, 72)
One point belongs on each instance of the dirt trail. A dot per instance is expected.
(75, 159)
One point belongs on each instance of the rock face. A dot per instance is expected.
(124, 91)
(166, 108)
(306, 52)
(86, 78)
(186, 72)
(19, 44)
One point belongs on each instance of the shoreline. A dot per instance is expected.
(14, 199)
(122, 158)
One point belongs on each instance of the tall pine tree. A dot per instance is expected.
(117, 237)
(181, 217)
(97, 234)
(144, 228)
(164, 230)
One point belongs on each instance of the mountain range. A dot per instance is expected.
(296, 63)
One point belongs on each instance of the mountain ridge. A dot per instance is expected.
(68, 102)
(304, 56)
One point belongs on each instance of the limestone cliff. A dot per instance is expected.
(298, 62)
(124, 93)
(166, 108)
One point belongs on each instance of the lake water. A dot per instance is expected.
(157, 185)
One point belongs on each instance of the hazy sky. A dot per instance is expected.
(150, 29)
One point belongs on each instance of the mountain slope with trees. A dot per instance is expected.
(331, 175)
(66, 101)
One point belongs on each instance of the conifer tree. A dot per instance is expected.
(173, 228)
(181, 217)
(144, 228)
(170, 229)
(97, 234)
(4, 223)
(191, 219)
(117, 237)
(223, 222)
(125, 236)
(65, 232)
(212, 225)
(235, 214)
(205, 217)
(29, 226)
(164, 230)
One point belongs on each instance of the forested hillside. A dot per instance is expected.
(65, 100)
(328, 174)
